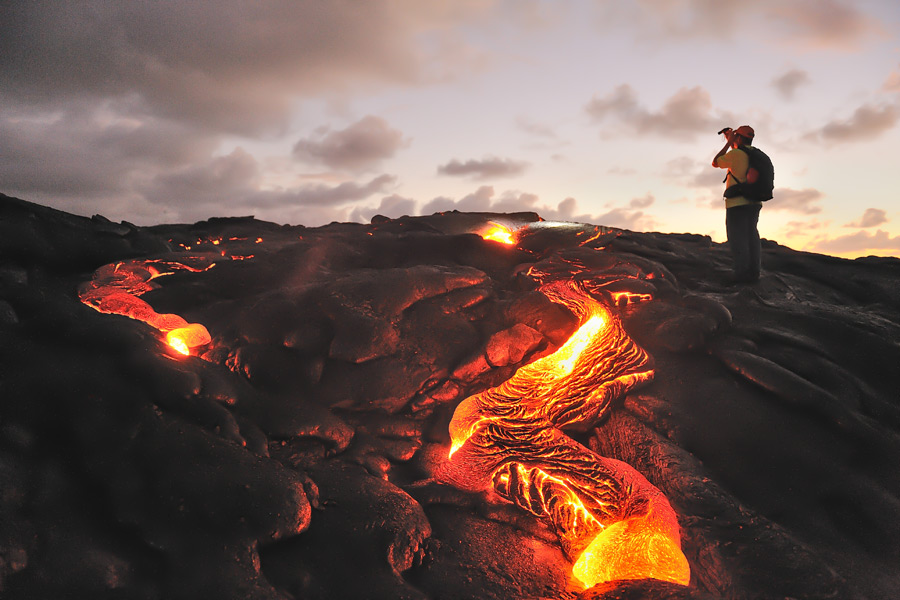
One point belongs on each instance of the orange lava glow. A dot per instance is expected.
(611, 522)
(632, 549)
(190, 336)
(598, 233)
(621, 298)
(500, 233)
(115, 290)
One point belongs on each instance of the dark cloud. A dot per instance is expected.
(802, 201)
(125, 102)
(392, 206)
(709, 178)
(788, 83)
(221, 181)
(231, 67)
(624, 218)
(362, 145)
(486, 168)
(643, 202)
(688, 112)
(693, 173)
(871, 218)
(880, 242)
(805, 201)
(322, 194)
(326, 195)
(803, 229)
(232, 184)
(478, 201)
(867, 123)
(84, 152)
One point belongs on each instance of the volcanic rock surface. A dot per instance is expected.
(293, 456)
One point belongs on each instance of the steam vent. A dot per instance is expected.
(463, 405)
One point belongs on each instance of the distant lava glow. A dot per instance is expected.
(499, 233)
(611, 522)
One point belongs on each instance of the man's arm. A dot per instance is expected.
(723, 150)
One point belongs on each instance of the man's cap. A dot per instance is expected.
(745, 131)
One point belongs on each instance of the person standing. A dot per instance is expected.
(741, 213)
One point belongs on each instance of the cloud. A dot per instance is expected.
(892, 83)
(787, 83)
(871, 218)
(534, 128)
(392, 206)
(484, 200)
(487, 168)
(234, 69)
(803, 229)
(322, 194)
(822, 23)
(807, 24)
(880, 242)
(800, 201)
(685, 114)
(83, 152)
(478, 201)
(693, 173)
(362, 145)
(90, 161)
(643, 202)
(619, 170)
(233, 184)
(867, 123)
(114, 101)
(220, 180)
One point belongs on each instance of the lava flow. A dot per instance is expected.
(115, 288)
(499, 233)
(611, 521)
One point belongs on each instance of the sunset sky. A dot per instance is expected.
(599, 111)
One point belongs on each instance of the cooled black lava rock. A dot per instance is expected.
(291, 457)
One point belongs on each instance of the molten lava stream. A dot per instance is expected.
(611, 521)
(115, 290)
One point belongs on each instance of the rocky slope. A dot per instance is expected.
(293, 455)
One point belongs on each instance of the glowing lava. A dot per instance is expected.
(115, 289)
(632, 549)
(500, 233)
(190, 336)
(611, 521)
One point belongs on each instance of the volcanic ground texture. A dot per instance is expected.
(239, 409)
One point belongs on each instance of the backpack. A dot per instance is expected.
(760, 177)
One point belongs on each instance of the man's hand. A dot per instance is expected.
(728, 135)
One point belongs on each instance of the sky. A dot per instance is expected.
(596, 111)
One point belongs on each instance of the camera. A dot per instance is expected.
(724, 130)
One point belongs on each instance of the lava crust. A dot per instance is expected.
(240, 409)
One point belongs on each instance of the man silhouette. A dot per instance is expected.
(741, 214)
